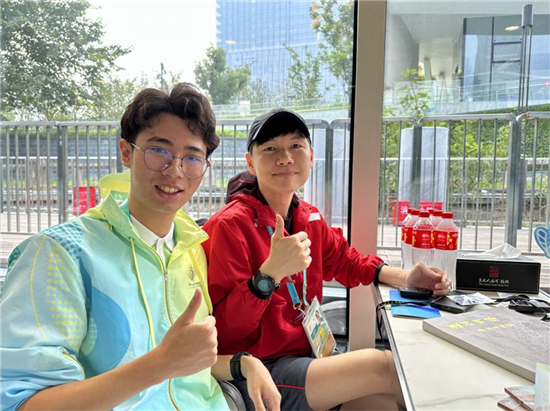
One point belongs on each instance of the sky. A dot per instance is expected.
(176, 33)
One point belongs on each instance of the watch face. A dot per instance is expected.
(265, 285)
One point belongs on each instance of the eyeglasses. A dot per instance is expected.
(159, 159)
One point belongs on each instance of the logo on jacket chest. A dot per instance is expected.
(193, 279)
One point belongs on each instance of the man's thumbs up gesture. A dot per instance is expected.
(189, 347)
(288, 255)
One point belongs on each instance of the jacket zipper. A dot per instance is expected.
(70, 357)
(165, 271)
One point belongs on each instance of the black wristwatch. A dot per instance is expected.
(264, 284)
(235, 366)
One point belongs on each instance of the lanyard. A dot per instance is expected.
(297, 303)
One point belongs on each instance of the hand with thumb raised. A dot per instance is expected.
(279, 229)
(287, 255)
(188, 346)
(188, 316)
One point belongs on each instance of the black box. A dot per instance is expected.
(518, 275)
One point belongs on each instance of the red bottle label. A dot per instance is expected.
(445, 240)
(422, 239)
(406, 235)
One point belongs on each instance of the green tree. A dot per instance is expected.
(257, 92)
(222, 83)
(113, 97)
(304, 76)
(52, 57)
(165, 81)
(334, 20)
(412, 101)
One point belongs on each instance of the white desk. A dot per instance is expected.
(437, 375)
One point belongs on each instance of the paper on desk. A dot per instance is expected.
(503, 251)
(470, 299)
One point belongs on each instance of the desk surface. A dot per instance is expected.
(437, 375)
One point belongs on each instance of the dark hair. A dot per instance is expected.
(185, 101)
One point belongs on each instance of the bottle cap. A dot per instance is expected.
(414, 211)
(438, 213)
(424, 214)
(447, 215)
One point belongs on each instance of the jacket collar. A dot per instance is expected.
(116, 213)
(265, 216)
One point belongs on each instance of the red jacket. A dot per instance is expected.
(239, 244)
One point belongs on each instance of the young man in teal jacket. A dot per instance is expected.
(111, 310)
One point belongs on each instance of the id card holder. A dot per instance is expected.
(318, 332)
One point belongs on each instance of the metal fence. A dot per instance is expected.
(492, 171)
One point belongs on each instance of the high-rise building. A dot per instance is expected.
(255, 32)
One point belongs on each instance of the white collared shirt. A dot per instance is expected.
(153, 240)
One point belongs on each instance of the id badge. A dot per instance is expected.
(317, 330)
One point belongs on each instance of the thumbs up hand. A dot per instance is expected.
(288, 255)
(189, 347)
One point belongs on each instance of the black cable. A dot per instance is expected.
(524, 304)
(384, 304)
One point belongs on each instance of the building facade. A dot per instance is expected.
(255, 33)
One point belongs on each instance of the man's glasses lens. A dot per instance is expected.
(158, 159)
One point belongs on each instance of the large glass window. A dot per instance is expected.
(452, 83)
(261, 54)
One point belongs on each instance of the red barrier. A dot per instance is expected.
(82, 202)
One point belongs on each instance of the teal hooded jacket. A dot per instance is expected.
(86, 296)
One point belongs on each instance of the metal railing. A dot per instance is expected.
(448, 92)
(492, 171)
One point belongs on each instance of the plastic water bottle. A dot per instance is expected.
(406, 238)
(403, 235)
(436, 217)
(446, 246)
(422, 237)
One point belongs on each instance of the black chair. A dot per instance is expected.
(232, 395)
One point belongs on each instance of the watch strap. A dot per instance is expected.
(235, 366)
(377, 273)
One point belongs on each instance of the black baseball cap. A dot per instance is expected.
(274, 123)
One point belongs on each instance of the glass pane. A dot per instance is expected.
(453, 54)
(506, 52)
(248, 56)
(455, 58)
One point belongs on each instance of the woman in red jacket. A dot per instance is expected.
(269, 252)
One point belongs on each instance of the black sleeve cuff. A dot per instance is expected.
(377, 273)
(253, 290)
